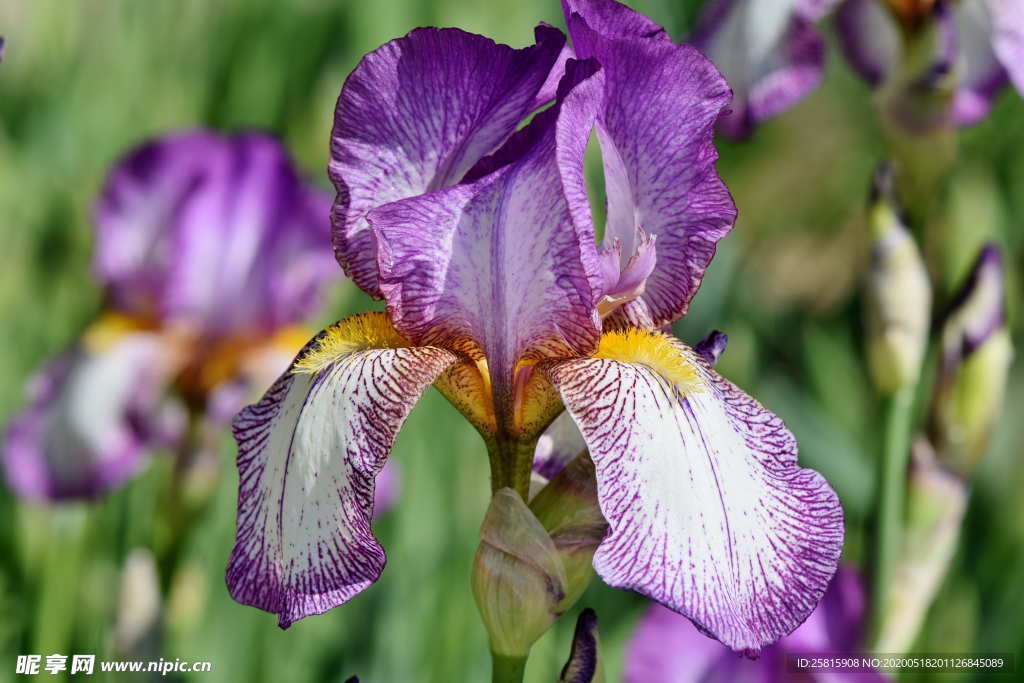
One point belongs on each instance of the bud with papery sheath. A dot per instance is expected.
(976, 356)
(899, 295)
(518, 577)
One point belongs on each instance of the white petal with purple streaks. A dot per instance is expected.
(308, 455)
(708, 512)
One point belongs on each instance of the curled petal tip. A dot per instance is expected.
(712, 347)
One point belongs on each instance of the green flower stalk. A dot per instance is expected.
(898, 313)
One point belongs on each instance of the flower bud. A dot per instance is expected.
(568, 509)
(976, 356)
(936, 502)
(518, 579)
(584, 663)
(898, 293)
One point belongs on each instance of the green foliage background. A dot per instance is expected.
(83, 81)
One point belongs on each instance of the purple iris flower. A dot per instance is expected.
(980, 41)
(478, 234)
(210, 249)
(768, 50)
(665, 648)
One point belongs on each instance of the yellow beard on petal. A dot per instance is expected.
(359, 332)
(668, 357)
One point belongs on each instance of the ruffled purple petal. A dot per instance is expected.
(659, 158)
(216, 233)
(506, 265)
(416, 115)
(768, 51)
(614, 19)
(869, 38)
(309, 453)
(709, 513)
(93, 415)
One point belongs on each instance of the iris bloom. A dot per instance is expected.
(980, 41)
(769, 51)
(209, 250)
(666, 649)
(479, 237)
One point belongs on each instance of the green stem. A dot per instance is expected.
(891, 499)
(507, 668)
(511, 463)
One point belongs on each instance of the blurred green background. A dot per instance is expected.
(81, 82)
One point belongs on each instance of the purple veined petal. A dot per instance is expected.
(92, 417)
(1008, 38)
(614, 19)
(981, 74)
(215, 233)
(309, 453)
(506, 265)
(659, 159)
(869, 38)
(708, 511)
(560, 443)
(768, 51)
(416, 115)
(667, 648)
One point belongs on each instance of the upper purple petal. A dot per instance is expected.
(656, 129)
(614, 19)
(216, 233)
(506, 264)
(768, 51)
(417, 114)
(93, 414)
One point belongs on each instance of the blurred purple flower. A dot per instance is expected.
(980, 41)
(479, 236)
(206, 246)
(768, 50)
(666, 648)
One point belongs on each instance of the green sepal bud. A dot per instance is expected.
(976, 357)
(569, 511)
(518, 578)
(898, 293)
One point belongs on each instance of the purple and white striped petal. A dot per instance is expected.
(506, 265)
(218, 234)
(709, 513)
(659, 158)
(869, 38)
(416, 115)
(93, 415)
(309, 452)
(768, 50)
